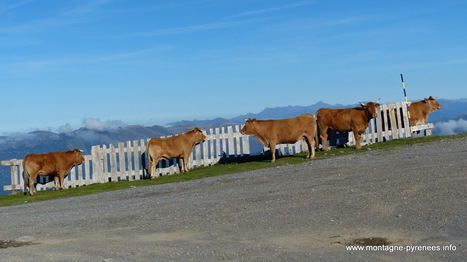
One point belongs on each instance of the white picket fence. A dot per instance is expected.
(128, 160)
(392, 123)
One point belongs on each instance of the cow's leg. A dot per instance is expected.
(150, 163)
(32, 188)
(324, 138)
(153, 171)
(61, 182)
(357, 136)
(316, 139)
(311, 147)
(272, 148)
(183, 164)
(153, 167)
(56, 181)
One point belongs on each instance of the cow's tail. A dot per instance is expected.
(149, 159)
(316, 132)
(25, 179)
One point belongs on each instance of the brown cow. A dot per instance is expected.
(56, 164)
(168, 148)
(283, 131)
(347, 119)
(419, 111)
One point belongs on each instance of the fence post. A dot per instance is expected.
(379, 127)
(230, 136)
(218, 144)
(96, 164)
(392, 126)
(407, 128)
(121, 161)
(246, 144)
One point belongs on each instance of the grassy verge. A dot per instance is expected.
(203, 172)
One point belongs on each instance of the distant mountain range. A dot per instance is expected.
(450, 119)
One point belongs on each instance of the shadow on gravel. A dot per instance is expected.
(369, 241)
(247, 158)
(13, 243)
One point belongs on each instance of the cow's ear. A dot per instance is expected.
(425, 100)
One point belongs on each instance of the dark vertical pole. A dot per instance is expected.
(405, 94)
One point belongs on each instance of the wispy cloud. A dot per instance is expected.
(6, 6)
(194, 28)
(32, 67)
(74, 15)
(273, 9)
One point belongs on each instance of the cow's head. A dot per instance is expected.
(370, 107)
(248, 128)
(78, 156)
(198, 135)
(434, 105)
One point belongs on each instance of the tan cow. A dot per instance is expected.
(168, 148)
(347, 119)
(283, 131)
(419, 111)
(56, 164)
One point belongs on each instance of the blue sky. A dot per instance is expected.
(64, 63)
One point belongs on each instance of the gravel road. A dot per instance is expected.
(412, 198)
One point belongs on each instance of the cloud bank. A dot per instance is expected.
(98, 125)
(451, 127)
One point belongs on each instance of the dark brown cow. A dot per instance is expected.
(283, 131)
(56, 164)
(347, 119)
(179, 146)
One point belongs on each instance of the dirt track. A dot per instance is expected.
(412, 197)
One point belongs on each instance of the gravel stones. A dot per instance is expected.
(411, 195)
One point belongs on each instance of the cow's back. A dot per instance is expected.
(287, 130)
(172, 146)
(46, 163)
(419, 112)
(337, 119)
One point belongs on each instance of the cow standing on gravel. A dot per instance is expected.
(168, 148)
(283, 131)
(57, 164)
(347, 119)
